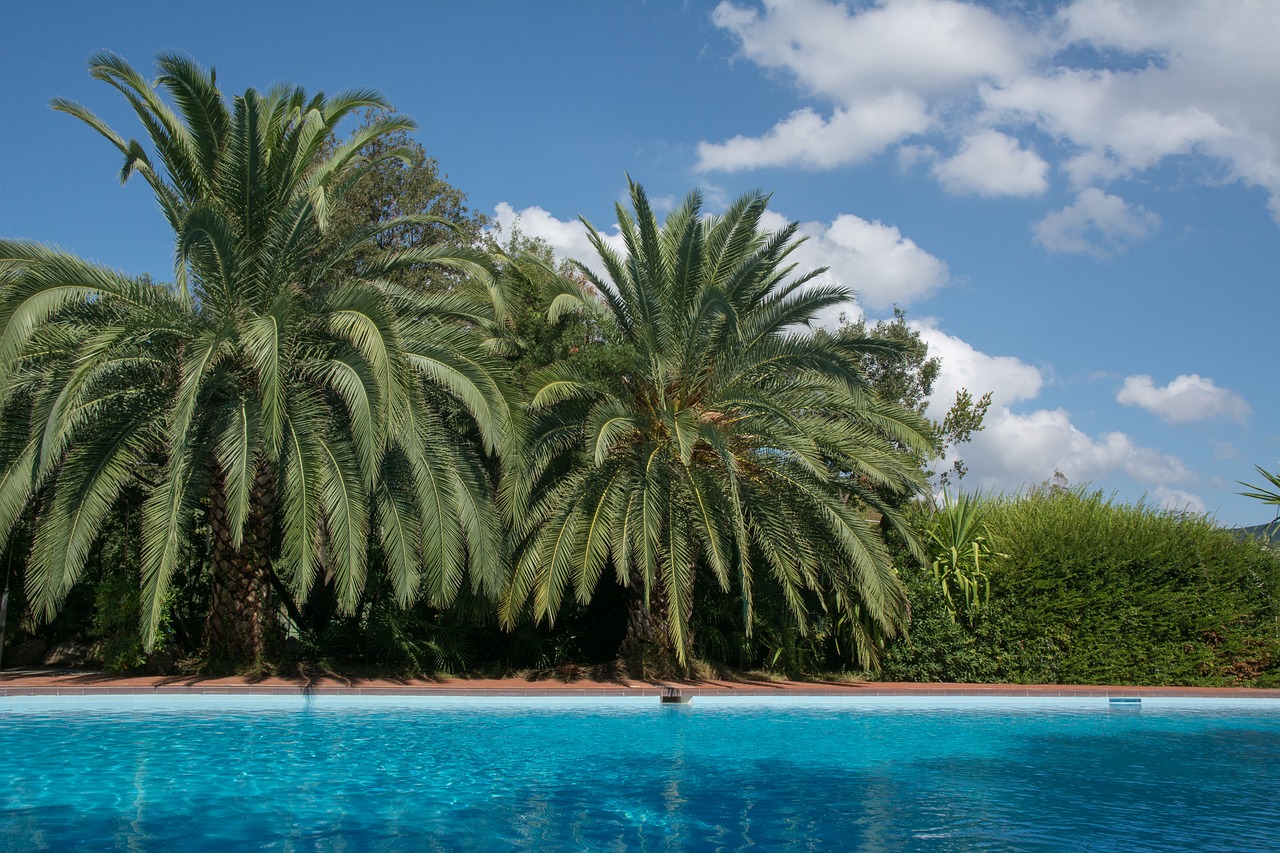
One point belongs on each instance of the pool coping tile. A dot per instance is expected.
(81, 683)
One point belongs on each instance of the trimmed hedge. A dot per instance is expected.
(1088, 591)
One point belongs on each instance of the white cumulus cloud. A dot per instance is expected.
(1179, 500)
(1096, 223)
(846, 53)
(877, 261)
(1027, 447)
(880, 68)
(1020, 446)
(567, 238)
(1010, 380)
(1118, 85)
(808, 140)
(1185, 399)
(1207, 87)
(989, 163)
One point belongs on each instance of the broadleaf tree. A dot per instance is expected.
(903, 370)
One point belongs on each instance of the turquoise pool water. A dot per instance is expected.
(339, 775)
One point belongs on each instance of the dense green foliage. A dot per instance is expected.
(1088, 591)
(285, 392)
(905, 372)
(405, 196)
(717, 450)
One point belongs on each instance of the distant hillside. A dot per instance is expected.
(1269, 533)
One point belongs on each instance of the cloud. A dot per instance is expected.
(1179, 500)
(1184, 400)
(989, 163)
(808, 140)
(1009, 379)
(845, 54)
(567, 238)
(1020, 447)
(1118, 86)
(875, 260)
(1095, 224)
(880, 68)
(1118, 122)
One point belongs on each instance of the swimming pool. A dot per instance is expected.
(339, 773)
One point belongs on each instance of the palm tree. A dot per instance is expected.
(306, 410)
(732, 440)
(1269, 495)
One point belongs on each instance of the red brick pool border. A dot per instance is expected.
(71, 683)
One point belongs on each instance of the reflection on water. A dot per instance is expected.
(638, 779)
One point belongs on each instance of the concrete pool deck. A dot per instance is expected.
(46, 682)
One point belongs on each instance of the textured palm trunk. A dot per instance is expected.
(241, 625)
(642, 623)
(647, 647)
(4, 610)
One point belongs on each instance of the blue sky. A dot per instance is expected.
(1077, 204)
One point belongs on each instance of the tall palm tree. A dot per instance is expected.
(307, 409)
(733, 440)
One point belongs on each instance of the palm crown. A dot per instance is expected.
(302, 402)
(733, 441)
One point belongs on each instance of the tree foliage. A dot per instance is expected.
(712, 445)
(285, 390)
(531, 339)
(903, 370)
(406, 196)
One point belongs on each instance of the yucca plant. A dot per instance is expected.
(301, 406)
(959, 543)
(731, 440)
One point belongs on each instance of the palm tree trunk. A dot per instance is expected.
(240, 626)
(4, 606)
(648, 647)
(640, 622)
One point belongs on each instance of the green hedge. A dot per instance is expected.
(1087, 591)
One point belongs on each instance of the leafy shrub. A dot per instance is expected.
(1094, 592)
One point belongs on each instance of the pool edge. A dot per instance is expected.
(94, 684)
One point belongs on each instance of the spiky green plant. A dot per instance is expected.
(959, 543)
(1269, 496)
(301, 410)
(718, 443)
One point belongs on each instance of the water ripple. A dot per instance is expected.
(643, 779)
